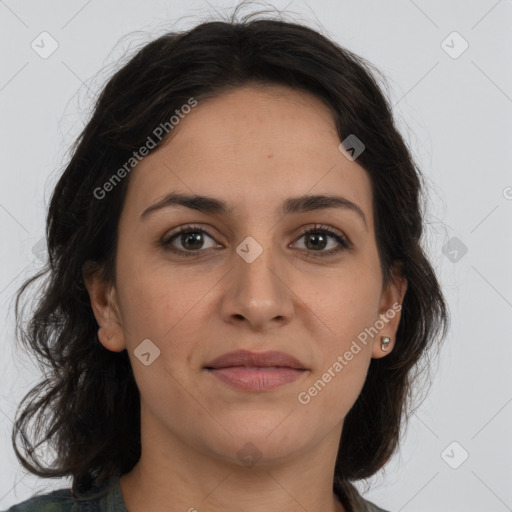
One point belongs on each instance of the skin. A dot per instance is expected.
(254, 148)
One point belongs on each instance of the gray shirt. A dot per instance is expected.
(104, 498)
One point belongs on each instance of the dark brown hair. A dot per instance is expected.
(87, 406)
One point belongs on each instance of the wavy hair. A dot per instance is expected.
(87, 406)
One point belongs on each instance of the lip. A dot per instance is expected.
(255, 359)
(256, 371)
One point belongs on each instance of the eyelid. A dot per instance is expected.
(343, 241)
(184, 229)
(323, 227)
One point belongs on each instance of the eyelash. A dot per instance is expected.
(317, 229)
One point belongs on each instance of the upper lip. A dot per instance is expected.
(255, 359)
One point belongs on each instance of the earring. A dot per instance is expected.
(384, 340)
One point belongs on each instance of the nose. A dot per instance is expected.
(258, 292)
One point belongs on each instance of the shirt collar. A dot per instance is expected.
(108, 495)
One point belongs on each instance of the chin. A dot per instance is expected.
(264, 441)
(253, 453)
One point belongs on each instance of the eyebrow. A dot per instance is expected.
(292, 205)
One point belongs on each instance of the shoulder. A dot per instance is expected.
(371, 507)
(60, 500)
(105, 497)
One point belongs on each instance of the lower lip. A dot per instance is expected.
(256, 379)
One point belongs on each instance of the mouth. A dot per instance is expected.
(245, 358)
(256, 372)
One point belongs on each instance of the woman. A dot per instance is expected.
(238, 300)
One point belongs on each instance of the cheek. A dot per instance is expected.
(154, 298)
(168, 308)
(349, 307)
(153, 311)
(346, 303)
(345, 358)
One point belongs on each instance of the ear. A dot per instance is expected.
(105, 307)
(390, 309)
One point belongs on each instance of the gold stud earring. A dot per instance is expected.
(385, 341)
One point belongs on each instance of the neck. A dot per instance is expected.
(174, 477)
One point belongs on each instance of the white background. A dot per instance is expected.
(456, 115)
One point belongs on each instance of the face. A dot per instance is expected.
(247, 277)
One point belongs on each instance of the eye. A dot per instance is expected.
(190, 238)
(317, 239)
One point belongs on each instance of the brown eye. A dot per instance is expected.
(317, 240)
(188, 240)
(191, 240)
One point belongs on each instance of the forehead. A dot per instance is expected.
(253, 146)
